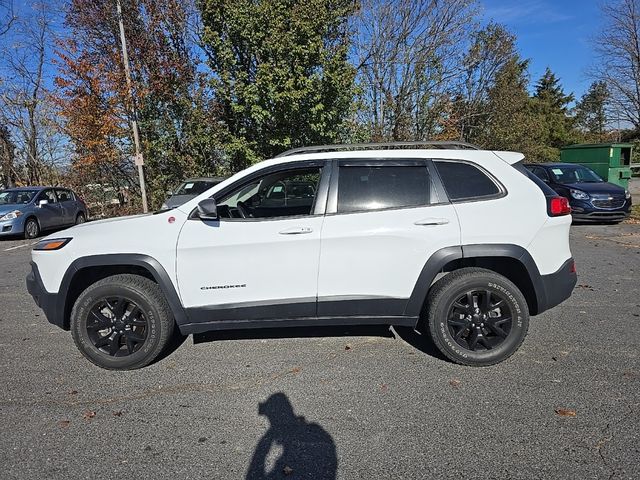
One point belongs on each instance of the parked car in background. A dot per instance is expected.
(28, 211)
(188, 189)
(591, 198)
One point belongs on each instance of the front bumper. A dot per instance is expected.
(585, 211)
(557, 287)
(11, 227)
(48, 302)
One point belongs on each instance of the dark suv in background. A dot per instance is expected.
(591, 198)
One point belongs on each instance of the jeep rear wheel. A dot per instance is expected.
(476, 317)
(122, 322)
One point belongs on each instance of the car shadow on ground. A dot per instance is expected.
(291, 446)
(410, 336)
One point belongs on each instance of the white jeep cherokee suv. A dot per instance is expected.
(462, 243)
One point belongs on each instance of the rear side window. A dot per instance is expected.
(463, 181)
(365, 188)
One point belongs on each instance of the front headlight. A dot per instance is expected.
(11, 215)
(627, 194)
(579, 194)
(52, 244)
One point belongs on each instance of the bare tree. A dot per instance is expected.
(7, 16)
(408, 51)
(25, 108)
(618, 58)
(492, 48)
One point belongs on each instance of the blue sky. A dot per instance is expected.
(554, 34)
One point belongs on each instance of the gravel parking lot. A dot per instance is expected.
(365, 404)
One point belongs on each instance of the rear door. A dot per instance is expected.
(67, 206)
(385, 218)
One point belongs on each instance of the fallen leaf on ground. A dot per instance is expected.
(287, 470)
(455, 383)
(566, 412)
(384, 387)
(64, 423)
(347, 346)
(588, 287)
(73, 392)
(88, 414)
(295, 370)
(118, 413)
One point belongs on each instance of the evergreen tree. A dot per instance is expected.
(591, 115)
(551, 111)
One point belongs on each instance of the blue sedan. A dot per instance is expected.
(27, 211)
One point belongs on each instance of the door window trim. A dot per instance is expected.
(502, 191)
(436, 194)
(319, 203)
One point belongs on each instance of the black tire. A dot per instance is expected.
(80, 218)
(452, 320)
(138, 343)
(31, 228)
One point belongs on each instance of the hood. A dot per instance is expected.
(177, 200)
(10, 207)
(596, 187)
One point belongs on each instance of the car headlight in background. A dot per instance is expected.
(627, 194)
(579, 194)
(52, 244)
(11, 215)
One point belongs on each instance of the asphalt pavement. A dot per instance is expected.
(360, 404)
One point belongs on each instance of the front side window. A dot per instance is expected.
(464, 181)
(364, 188)
(279, 194)
(48, 195)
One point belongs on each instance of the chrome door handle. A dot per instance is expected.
(296, 231)
(432, 221)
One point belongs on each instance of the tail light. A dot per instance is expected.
(558, 206)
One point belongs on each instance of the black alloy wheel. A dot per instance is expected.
(117, 326)
(476, 316)
(479, 320)
(122, 322)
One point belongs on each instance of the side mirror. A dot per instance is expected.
(41, 203)
(208, 209)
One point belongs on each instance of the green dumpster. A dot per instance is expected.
(612, 161)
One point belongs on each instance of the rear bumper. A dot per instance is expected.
(557, 287)
(48, 302)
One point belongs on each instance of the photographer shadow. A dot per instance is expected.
(302, 449)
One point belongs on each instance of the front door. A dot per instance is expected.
(50, 214)
(260, 259)
(384, 221)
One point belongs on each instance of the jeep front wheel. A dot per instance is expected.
(476, 317)
(122, 322)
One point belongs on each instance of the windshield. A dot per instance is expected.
(194, 188)
(574, 174)
(16, 196)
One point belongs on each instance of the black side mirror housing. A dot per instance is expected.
(208, 209)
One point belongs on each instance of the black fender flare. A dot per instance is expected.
(442, 257)
(150, 264)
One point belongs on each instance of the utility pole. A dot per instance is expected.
(139, 161)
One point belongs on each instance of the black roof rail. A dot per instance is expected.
(373, 146)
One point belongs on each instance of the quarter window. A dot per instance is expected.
(464, 181)
(364, 188)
